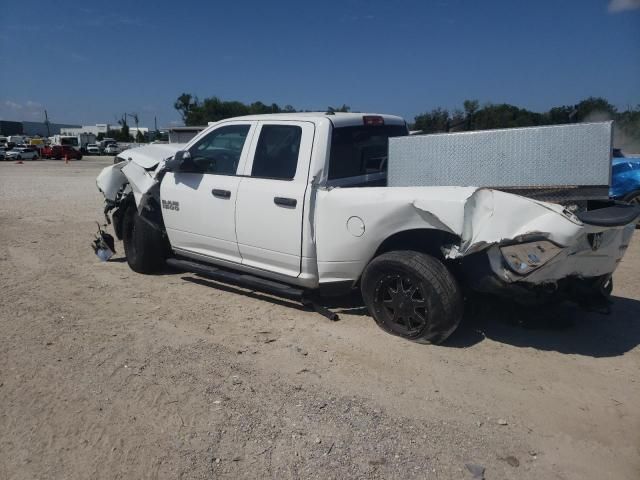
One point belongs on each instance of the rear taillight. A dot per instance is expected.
(373, 120)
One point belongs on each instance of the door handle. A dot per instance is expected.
(221, 193)
(285, 202)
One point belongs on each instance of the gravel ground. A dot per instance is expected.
(105, 373)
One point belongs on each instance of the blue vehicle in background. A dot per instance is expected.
(625, 178)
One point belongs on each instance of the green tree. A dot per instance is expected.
(344, 108)
(185, 104)
(435, 121)
(594, 108)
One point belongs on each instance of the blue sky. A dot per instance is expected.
(87, 62)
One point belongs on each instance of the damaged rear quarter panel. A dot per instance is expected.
(482, 218)
(384, 211)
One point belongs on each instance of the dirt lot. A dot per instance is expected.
(105, 373)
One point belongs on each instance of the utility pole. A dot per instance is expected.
(46, 122)
(135, 120)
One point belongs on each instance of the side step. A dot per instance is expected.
(243, 279)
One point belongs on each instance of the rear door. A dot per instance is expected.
(198, 206)
(270, 204)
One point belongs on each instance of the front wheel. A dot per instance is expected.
(144, 246)
(412, 295)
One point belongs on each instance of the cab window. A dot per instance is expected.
(361, 150)
(277, 152)
(219, 151)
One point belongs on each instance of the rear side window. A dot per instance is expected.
(277, 152)
(361, 150)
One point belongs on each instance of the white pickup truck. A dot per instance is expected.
(297, 204)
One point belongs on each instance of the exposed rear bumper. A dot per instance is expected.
(585, 262)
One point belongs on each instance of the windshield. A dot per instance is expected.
(360, 154)
(71, 141)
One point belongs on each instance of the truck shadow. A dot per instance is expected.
(564, 328)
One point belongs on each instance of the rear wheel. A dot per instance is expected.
(144, 246)
(19, 157)
(412, 295)
(633, 198)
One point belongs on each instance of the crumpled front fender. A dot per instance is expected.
(111, 180)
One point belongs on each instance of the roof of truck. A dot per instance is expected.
(339, 119)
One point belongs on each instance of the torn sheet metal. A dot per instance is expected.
(149, 156)
(139, 179)
(140, 168)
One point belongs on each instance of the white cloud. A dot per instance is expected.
(622, 5)
(12, 105)
(28, 110)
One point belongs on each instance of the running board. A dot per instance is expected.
(243, 279)
(269, 286)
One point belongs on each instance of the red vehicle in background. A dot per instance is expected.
(61, 151)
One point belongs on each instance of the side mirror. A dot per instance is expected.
(182, 161)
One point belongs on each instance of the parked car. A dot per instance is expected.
(22, 153)
(2, 153)
(301, 209)
(625, 178)
(61, 151)
(111, 149)
(93, 149)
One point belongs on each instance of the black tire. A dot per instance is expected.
(633, 197)
(412, 295)
(144, 246)
(18, 157)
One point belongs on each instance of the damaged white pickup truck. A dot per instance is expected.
(298, 205)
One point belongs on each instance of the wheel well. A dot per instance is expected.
(423, 240)
(632, 194)
(118, 215)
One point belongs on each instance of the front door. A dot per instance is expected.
(199, 200)
(271, 196)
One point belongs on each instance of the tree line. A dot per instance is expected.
(472, 116)
(196, 112)
(491, 116)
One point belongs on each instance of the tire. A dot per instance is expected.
(412, 295)
(633, 197)
(18, 157)
(144, 246)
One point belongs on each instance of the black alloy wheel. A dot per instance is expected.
(400, 299)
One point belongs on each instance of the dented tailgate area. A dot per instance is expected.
(514, 245)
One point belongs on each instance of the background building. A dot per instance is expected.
(10, 128)
(95, 129)
(183, 134)
(32, 129)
